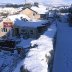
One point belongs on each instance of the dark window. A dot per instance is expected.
(23, 19)
(23, 31)
(26, 35)
(4, 29)
(40, 29)
(31, 31)
(33, 14)
(17, 31)
(43, 16)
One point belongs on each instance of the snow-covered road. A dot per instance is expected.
(63, 52)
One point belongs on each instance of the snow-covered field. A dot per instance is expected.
(37, 58)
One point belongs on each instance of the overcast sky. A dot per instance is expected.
(43, 1)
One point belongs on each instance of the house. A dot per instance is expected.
(36, 12)
(29, 29)
(53, 15)
(21, 26)
(30, 13)
(7, 25)
(41, 10)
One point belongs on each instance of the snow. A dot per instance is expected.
(36, 60)
(24, 43)
(51, 14)
(63, 52)
(64, 17)
(8, 61)
(16, 19)
(41, 9)
(34, 24)
(18, 16)
(9, 10)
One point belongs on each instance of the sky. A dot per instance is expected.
(43, 1)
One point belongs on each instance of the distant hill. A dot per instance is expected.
(11, 5)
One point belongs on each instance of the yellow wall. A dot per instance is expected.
(30, 13)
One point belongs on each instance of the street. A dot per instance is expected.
(63, 52)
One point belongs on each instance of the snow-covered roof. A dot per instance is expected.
(40, 9)
(18, 20)
(9, 10)
(18, 16)
(34, 24)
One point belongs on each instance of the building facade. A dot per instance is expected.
(30, 13)
(5, 27)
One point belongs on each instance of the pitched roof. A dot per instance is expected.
(18, 16)
(33, 24)
(40, 10)
(30, 9)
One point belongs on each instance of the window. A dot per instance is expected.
(17, 32)
(23, 19)
(33, 14)
(26, 35)
(31, 31)
(43, 16)
(4, 29)
(23, 31)
(40, 29)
